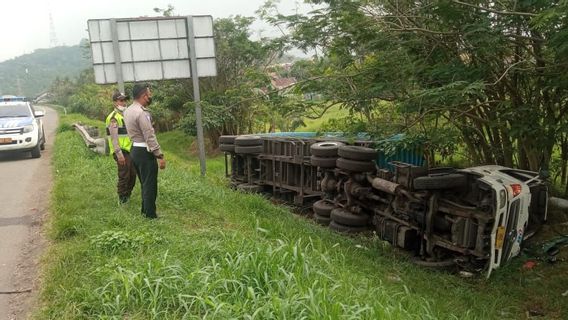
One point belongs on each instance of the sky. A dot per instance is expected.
(25, 24)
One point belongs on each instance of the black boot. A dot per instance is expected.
(123, 199)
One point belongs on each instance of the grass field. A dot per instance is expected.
(315, 124)
(215, 253)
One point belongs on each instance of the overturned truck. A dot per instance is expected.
(475, 219)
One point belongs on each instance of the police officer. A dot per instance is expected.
(120, 145)
(146, 152)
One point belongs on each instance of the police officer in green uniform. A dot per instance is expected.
(120, 145)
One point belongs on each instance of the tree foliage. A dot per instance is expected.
(493, 71)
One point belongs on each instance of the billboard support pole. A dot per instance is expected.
(117, 61)
(196, 94)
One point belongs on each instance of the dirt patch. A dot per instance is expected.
(26, 277)
(33, 184)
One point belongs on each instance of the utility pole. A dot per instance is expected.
(52, 35)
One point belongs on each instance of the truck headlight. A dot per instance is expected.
(29, 128)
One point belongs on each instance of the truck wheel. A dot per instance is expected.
(433, 264)
(248, 149)
(248, 140)
(444, 181)
(227, 139)
(249, 188)
(357, 153)
(347, 218)
(323, 207)
(321, 220)
(36, 152)
(346, 229)
(323, 162)
(227, 147)
(325, 149)
(355, 165)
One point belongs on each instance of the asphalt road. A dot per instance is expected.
(25, 187)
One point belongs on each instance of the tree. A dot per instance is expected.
(494, 71)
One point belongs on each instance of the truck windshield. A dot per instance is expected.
(14, 111)
(521, 175)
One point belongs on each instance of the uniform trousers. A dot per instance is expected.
(126, 176)
(147, 168)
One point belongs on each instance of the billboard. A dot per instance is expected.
(141, 49)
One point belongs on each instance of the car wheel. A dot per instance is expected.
(42, 145)
(357, 153)
(444, 181)
(323, 207)
(347, 218)
(323, 162)
(325, 149)
(355, 165)
(36, 152)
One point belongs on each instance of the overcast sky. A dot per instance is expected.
(24, 25)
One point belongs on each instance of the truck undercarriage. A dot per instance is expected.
(473, 218)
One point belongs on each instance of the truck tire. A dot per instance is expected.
(355, 165)
(249, 188)
(248, 140)
(249, 149)
(321, 220)
(443, 181)
(349, 219)
(227, 139)
(227, 147)
(346, 229)
(323, 162)
(325, 149)
(323, 208)
(357, 153)
(433, 264)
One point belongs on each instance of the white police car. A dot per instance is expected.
(21, 128)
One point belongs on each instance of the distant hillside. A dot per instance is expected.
(43, 66)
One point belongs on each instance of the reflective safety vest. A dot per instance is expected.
(123, 140)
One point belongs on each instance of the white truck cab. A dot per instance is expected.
(520, 207)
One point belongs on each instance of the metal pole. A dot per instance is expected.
(196, 95)
(117, 60)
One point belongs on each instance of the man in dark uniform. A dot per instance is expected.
(120, 145)
(145, 153)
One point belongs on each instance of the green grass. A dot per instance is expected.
(219, 254)
(334, 112)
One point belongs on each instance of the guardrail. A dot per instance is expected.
(92, 139)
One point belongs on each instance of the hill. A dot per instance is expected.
(30, 74)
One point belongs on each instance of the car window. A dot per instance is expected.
(14, 110)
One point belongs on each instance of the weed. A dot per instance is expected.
(113, 241)
(219, 254)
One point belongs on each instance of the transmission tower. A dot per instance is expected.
(52, 35)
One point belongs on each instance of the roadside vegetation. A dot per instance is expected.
(473, 83)
(218, 254)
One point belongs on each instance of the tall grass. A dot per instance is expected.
(218, 254)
